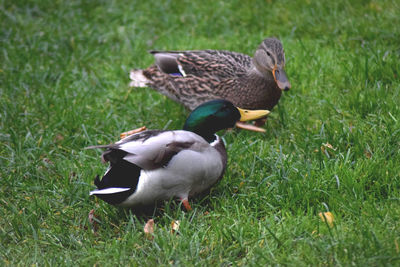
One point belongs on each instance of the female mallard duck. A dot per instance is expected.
(158, 165)
(194, 77)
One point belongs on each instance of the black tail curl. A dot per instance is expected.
(122, 174)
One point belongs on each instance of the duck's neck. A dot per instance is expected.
(263, 89)
(254, 73)
(209, 136)
(204, 127)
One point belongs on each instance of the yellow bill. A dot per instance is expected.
(248, 115)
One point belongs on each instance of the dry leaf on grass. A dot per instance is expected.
(328, 217)
(327, 149)
(328, 146)
(149, 229)
(91, 216)
(175, 226)
(138, 130)
(367, 154)
(93, 220)
(59, 137)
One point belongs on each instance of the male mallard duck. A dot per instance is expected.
(194, 77)
(158, 165)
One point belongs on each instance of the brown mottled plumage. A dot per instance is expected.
(194, 77)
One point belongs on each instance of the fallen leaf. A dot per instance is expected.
(314, 232)
(327, 148)
(175, 226)
(59, 137)
(328, 145)
(91, 216)
(93, 220)
(149, 229)
(327, 216)
(128, 133)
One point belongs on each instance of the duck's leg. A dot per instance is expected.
(250, 127)
(138, 130)
(186, 204)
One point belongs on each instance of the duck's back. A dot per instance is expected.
(219, 64)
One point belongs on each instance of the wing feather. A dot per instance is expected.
(218, 63)
(153, 149)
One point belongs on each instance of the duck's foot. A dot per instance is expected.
(186, 204)
(250, 127)
(138, 130)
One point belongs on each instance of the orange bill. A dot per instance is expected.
(281, 79)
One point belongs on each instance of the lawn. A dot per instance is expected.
(332, 144)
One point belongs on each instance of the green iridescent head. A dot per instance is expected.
(215, 115)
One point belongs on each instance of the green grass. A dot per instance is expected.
(64, 86)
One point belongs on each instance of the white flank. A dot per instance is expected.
(138, 79)
(111, 190)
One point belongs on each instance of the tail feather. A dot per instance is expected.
(138, 79)
(118, 183)
(99, 146)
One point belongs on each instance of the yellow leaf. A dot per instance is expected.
(314, 232)
(328, 145)
(175, 226)
(138, 130)
(328, 217)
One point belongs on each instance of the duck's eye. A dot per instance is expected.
(268, 53)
